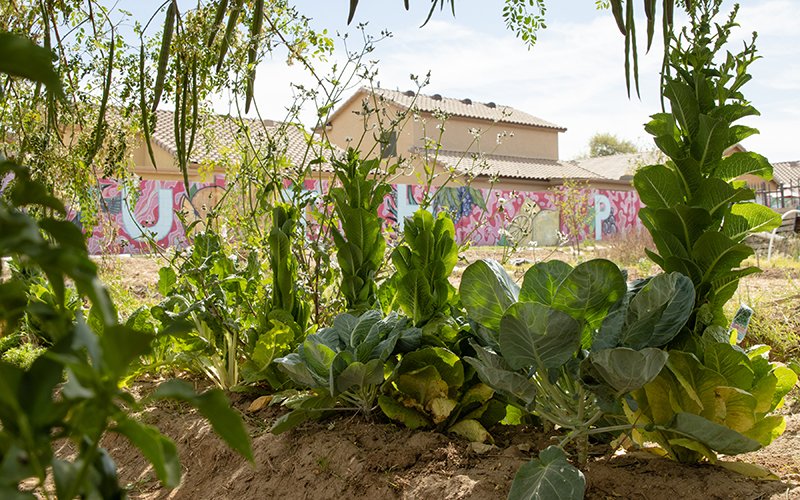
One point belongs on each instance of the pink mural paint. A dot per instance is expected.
(482, 216)
(126, 229)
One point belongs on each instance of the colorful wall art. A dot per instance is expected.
(485, 217)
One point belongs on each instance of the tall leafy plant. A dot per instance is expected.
(359, 239)
(698, 212)
(423, 263)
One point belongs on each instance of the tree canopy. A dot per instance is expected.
(605, 144)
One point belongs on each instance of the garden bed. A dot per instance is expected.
(352, 457)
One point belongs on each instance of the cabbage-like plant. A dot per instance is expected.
(571, 342)
(343, 366)
(719, 402)
(428, 389)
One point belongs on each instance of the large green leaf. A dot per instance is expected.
(495, 373)
(548, 477)
(658, 186)
(712, 139)
(409, 417)
(744, 163)
(542, 281)
(717, 437)
(698, 383)
(295, 366)
(359, 375)
(414, 296)
(746, 218)
(731, 363)
(627, 370)
(487, 291)
(770, 389)
(589, 292)
(684, 105)
(318, 358)
(534, 335)
(447, 364)
(658, 311)
(216, 408)
(767, 429)
(716, 254)
(735, 409)
(423, 386)
(716, 196)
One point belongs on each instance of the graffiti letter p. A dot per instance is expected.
(602, 209)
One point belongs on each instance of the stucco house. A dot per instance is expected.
(494, 168)
(502, 163)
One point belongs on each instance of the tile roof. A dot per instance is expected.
(619, 166)
(786, 172)
(513, 167)
(222, 136)
(463, 107)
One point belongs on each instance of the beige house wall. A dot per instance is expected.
(166, 168)
(520, 140)
(756, 182)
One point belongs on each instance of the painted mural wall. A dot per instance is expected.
(482, 216)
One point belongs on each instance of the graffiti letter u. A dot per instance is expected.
(160, 229)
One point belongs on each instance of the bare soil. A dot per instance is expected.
(353, 457)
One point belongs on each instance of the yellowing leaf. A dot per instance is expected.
(259, 403)
(749, 470)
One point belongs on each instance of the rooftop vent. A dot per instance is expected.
(467, 100)
(409, 93)
(491, 105)
(436, 97)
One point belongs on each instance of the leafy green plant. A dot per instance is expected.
(717, 403)
(227, 320)
(208, 307)
(423, 263)
(697, 212)
(569, 345)
(571, 342)
(343, 365)
(428, 389)
(73, 390)
(286, 293)
(359, 242)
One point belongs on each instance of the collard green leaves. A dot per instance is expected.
(360, 243)
(717, 405)
(487, 291)
(424, 262)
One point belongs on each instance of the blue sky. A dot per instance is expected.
(573, 77)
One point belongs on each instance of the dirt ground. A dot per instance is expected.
(352, 457)
(356, 458)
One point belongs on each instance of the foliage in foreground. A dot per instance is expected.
(74, 389)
